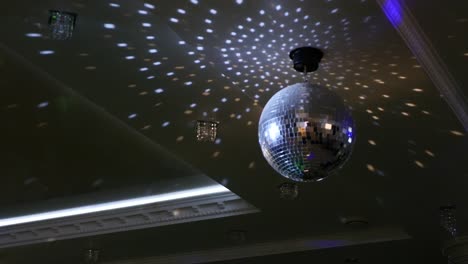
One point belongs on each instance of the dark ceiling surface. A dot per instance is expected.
(448, 23)
(56, 144)
(83, 113)
(404, 252)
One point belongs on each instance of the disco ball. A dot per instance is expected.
(306, 133)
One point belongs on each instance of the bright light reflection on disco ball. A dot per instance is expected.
(306, 133)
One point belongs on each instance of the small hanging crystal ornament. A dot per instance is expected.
(206, 130)
(61, 24)
(289, 191)
(448, 220)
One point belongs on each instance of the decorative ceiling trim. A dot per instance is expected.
(367, 236)
(409, 30)
(152, 215)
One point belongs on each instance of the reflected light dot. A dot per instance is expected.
(33, 35)
(46, 52)
(419, 164)
(213, 11)
(456, 133)
(181, 11)
(174, 20)
(153, 51)
(109, 26)
(43, 104)
(150, 37)
(122, 45)
(165, 124)
(159, 90)
(150, 6)
(430, 153)
(114, 5)
(132, 116)
(129, 57)
(146, 24)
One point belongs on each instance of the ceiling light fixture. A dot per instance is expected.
(94, 208)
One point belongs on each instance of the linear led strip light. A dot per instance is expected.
(94, 208)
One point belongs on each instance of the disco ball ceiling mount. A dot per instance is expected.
(306, 132)
(306, 59)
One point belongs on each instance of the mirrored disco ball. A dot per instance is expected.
(306, 132)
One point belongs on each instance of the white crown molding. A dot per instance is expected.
(152, 215)
(366, 236)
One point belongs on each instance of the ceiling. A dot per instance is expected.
(114, 108)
